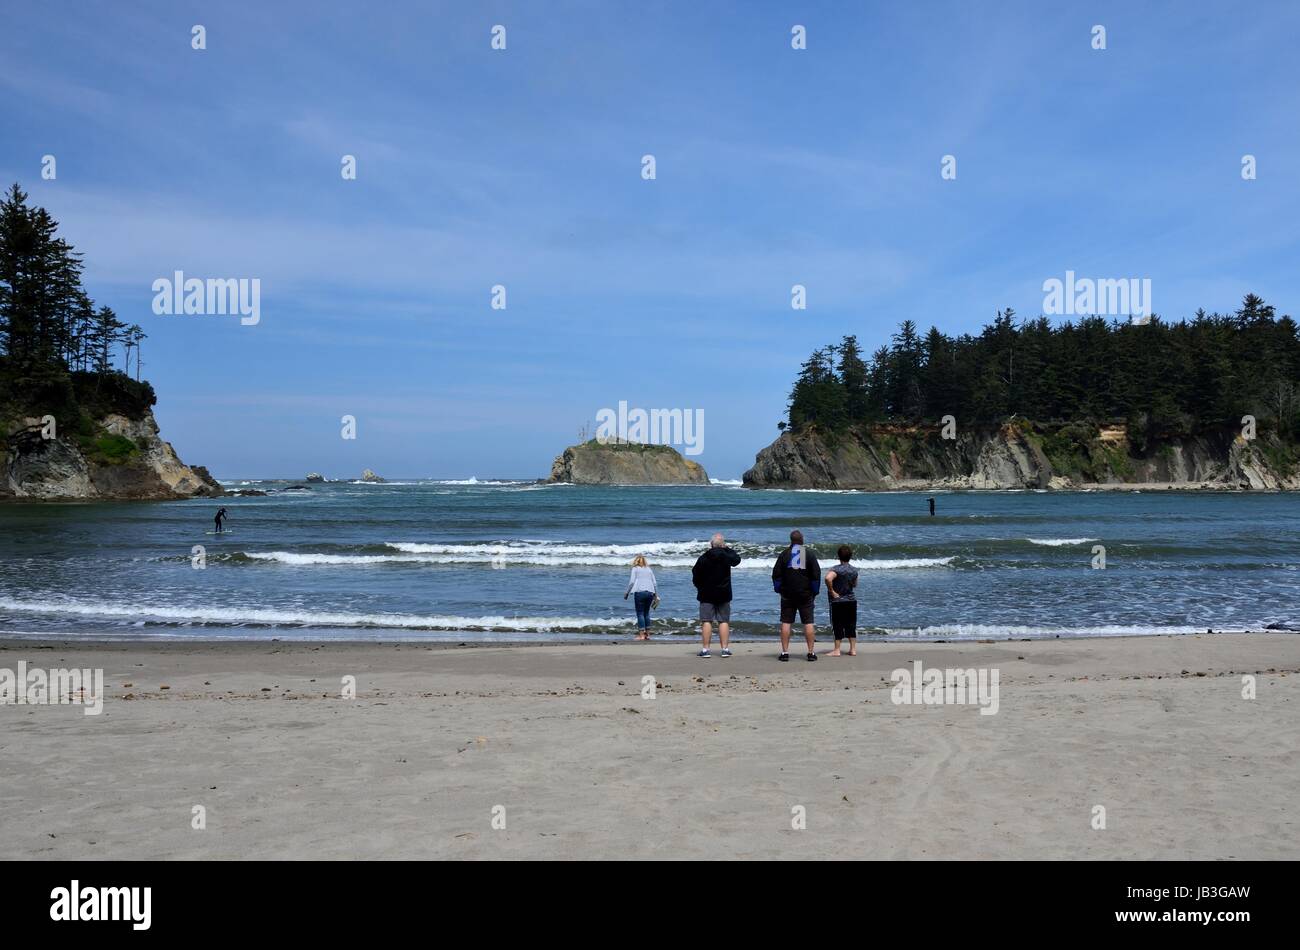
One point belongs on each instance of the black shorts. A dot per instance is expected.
(844, 619)
(788, 607)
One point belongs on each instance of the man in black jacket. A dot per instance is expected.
(711, 576)
(796, 576)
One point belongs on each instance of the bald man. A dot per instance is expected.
(711, 576)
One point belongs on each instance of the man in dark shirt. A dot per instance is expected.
(711, 576)
(796, 576)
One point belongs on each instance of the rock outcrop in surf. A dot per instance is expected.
(1019, 454)
(624, 463)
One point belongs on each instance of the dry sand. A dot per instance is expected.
(1154, 729)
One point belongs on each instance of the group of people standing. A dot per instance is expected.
(796, 577)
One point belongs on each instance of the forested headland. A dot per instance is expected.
(76, 422)
(60, 354)
(1159, 378)
(1208, 402)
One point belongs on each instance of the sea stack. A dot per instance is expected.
(625, 463)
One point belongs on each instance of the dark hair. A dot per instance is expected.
(796, 536)
(845, 552)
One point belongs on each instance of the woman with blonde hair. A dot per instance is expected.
(646, 594)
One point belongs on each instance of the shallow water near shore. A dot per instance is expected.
(509, 560)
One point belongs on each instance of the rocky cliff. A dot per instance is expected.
(595, 463)
(1020, 454)
(117, 458)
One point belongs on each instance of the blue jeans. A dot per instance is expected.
(643, 599)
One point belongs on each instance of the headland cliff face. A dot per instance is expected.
(1021, 454)
(120, 457)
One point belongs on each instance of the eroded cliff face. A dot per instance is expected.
(123, 459)
(594, 463)
(1019, 455)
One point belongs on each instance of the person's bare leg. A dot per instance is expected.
(810, 634)
(853, 646)
(724, 633)
(836, 651)
(785, 638)
(706, 634)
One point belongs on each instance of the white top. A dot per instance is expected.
(643, 579)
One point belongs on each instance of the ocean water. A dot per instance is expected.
(503, 560)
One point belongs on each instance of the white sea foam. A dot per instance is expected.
(305, 617)
(492, 549)
(138, 615)
(558, 554)
(1060, 542)
(292, 557)
(669, 554)
(900, 564)
(474, 481)
(1042, 631)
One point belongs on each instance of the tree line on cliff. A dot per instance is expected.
(1166, 378)
(58, 350)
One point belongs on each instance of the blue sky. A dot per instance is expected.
(522, 167)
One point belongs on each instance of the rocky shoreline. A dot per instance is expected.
(1019, 455)
(126, 461)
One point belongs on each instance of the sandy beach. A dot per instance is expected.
(719, 764)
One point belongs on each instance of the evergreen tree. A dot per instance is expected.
(905, 396)
(818, 396)
(852, 371)
(50, 329)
